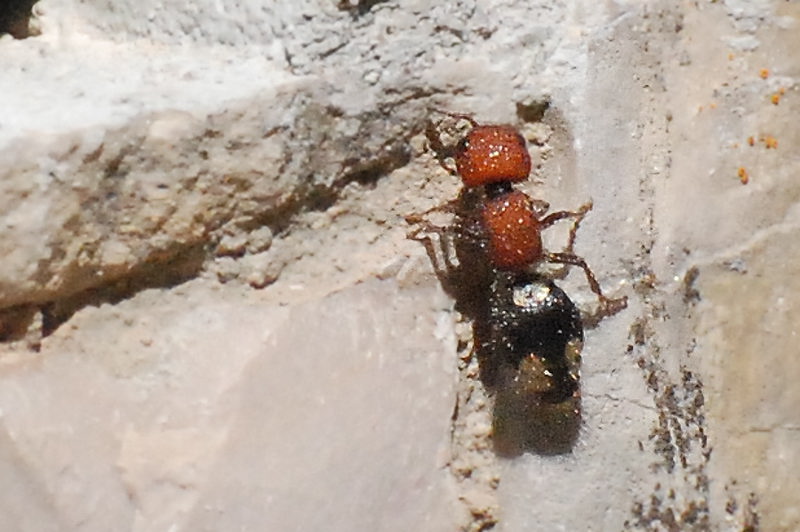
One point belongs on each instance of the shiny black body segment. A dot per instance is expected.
(528, 347)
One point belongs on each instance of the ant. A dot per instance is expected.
(494, 157)
(527, 333)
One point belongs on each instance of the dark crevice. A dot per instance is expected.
(367, 173)
(313, 197)
(534, 111)
(16, 321)
(165, 273)
(364, 164)
(360, 8)
(15, 16)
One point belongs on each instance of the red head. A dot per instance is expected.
(490, 154)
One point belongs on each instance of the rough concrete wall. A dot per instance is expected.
(213, 320)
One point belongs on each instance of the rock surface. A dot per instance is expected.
(212, 318)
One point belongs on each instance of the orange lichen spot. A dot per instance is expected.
(771, 142)
(731, 56)
(491, 154)
(744, 177)
(775, 98)
(712, 105)
(751, 141)
(514, 232)
(763, 73)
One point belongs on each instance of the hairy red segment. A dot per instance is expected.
(490, 154)
(515, 240)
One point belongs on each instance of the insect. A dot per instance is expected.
(527, 333)
(511, 222)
